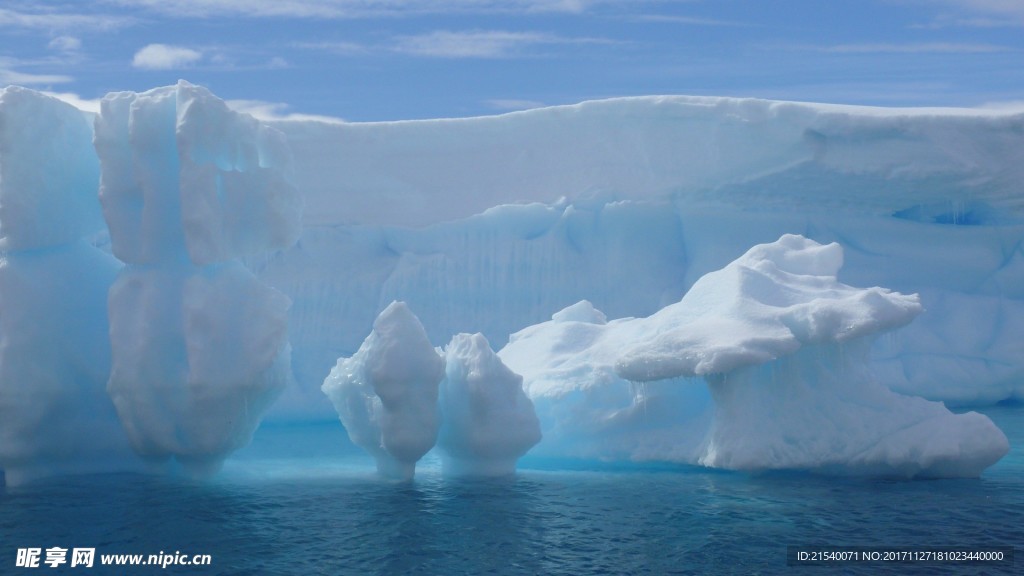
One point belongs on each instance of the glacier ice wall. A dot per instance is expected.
(491, 224)
(54, 347)
(481, 225)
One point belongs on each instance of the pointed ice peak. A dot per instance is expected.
(582, 311)
(386, 393)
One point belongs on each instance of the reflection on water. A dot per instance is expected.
(300, 507)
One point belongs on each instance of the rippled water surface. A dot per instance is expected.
(302, 501)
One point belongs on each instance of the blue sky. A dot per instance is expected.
(404, 59)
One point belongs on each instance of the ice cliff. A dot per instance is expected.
(169, 265)
(492, 224)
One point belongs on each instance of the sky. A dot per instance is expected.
(373, 60)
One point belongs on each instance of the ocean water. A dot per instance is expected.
(302, 500)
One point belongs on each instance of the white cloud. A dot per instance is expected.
(480, 43)
(271, 111)
(977, 14)
(165, 57)
(77, 101)
(8, 75)
(52, 20)
(919, 48)
(277, 63)
(65, 44)
(475, 44)
(339, 48)
(25, 79)
(1005, 8)
(358, 8)
(686, 20)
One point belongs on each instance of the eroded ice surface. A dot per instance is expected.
(491, 224)
(199, 344)
(386, 393)
(487, 422)
(782, 346)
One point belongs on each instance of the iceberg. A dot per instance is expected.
(491, 224)
(386, 393)
(487, 422)
(173, 272)
(199, 345)
(54, 349)
(783, 348)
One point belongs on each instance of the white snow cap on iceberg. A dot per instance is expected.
(386, 394)
(768, 303)
(487, 421)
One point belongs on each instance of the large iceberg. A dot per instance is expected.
(222, 257)
(491, 224)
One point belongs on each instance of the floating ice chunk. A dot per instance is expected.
(198, 357)
(783, 347)
(48, 172)
(182, 173)
(386, 394)
(488, 423)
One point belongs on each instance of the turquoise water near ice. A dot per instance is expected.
(302, 500)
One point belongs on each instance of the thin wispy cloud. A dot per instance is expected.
(359, 8)
(83, 104)
(337, 48)
(475, 44)
(914, 48)
(271, 111)
(1003, 9)
(976, 14)
(481, 43)
(686, 20)
(65, 44)
(55, 20)
(165, 57)
(8, 75)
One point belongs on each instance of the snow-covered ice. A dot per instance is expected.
(491, 224)
(160, 220)
(783, 348)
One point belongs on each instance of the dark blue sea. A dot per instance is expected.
(302, 500)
